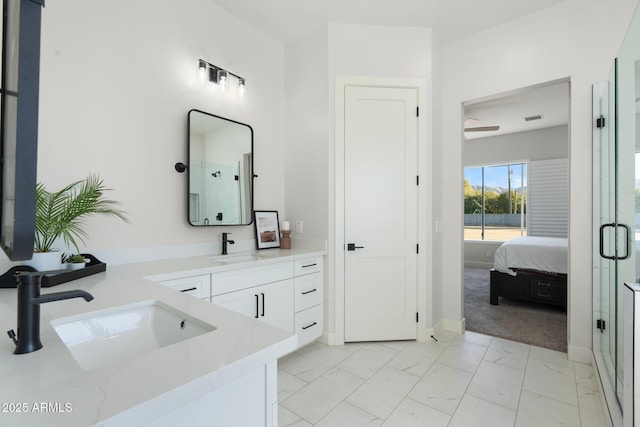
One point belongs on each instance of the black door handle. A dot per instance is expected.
(353, 247)
(627, 238)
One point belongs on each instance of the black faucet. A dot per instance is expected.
(226, 241)
(29, 300)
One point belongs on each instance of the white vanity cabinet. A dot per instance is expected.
(264, 292)
(198, 286)
(308, 315)
(284, 293)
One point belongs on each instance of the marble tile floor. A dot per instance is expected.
(460, 380)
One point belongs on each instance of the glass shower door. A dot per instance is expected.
(604, 217)
(616, 206)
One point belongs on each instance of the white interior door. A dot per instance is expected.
(381, 194)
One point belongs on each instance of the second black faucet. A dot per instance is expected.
(225, 242)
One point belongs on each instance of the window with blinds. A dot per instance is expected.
(548, 198)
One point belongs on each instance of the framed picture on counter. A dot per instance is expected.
(267, 229)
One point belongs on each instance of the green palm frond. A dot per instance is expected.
(60, 214)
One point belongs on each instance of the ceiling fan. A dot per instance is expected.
(471, 120)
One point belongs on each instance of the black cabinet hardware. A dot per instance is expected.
(188, 290)
(308, 292)
(307, 327)
(257, 304)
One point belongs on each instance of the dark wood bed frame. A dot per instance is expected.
(529, 285)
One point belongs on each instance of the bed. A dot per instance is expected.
(531, 268)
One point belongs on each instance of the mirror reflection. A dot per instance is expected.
(220, 170)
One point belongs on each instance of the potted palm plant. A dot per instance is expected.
(60, 214)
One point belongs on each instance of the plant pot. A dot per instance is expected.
(75, 265)
(45, 261)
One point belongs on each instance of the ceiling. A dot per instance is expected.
(288, 20)
(509, 111)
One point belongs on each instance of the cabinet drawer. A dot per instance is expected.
(230, 281)
(197, 286)
(308, 266)
(547, 284)
(308, 325)
(548, 290)
(308, 291)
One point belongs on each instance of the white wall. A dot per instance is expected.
(117, 80)
(576, 39)
(307, 91)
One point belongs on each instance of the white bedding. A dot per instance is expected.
(547, 254)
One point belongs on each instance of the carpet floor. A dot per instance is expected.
(530, 323)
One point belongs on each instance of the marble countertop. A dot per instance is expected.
(48, 387)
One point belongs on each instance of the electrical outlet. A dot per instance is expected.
(299, 227)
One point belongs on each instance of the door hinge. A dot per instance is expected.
(600, 122)
(418, 180)
(601, 324)
(417, 317)
(417, 248)
(417, 111)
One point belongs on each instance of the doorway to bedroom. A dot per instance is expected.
(516, 190)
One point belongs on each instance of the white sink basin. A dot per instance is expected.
(238, 258)
(230, 259)
(106, 337)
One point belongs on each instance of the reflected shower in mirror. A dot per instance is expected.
(220, 171)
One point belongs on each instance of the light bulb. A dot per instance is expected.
(222, 78)
(241, 87)
(202, 69)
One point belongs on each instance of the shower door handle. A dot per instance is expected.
(626, 240)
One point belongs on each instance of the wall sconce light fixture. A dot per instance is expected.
(220, 76)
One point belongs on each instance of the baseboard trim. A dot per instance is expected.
(478, 264)
(329, 338)
(579, 354)
(455, 326)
